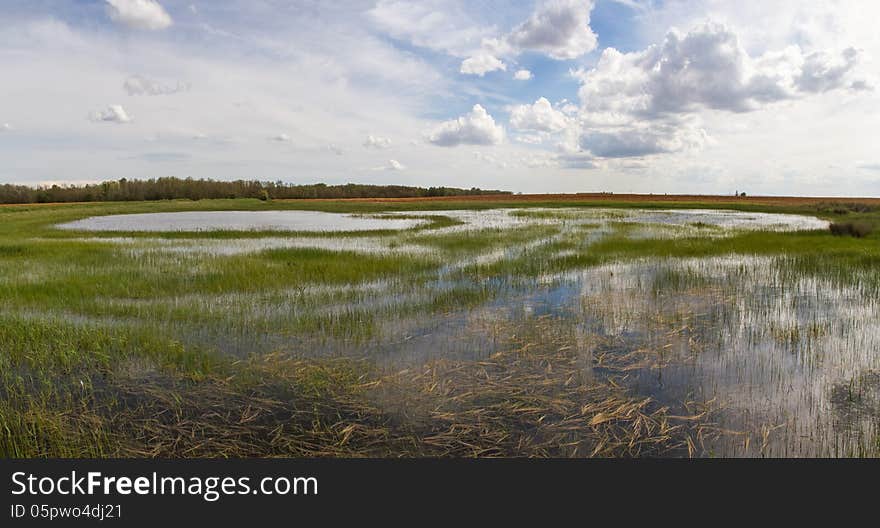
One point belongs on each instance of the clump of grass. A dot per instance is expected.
(853, 229)
(473, 241)
(846, 208)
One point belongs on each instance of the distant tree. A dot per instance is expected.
(170, 188)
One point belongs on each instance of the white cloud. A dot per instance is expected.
(377, 142)
(541, 117)
(392, 165)
(649, 102)
(530, 139)
(639, 141)
(5, 127)
(823, 71)
(138, 85)
(708, 68)
(139, 14)
(481, 64)
(432, 24)
(474, 128)
(282, 138)
(113, 114)
(558, 28)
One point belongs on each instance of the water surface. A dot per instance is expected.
(240, 221)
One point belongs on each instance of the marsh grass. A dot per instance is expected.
(517, 403)
(475, 241)
(853, 229)
(107, 351)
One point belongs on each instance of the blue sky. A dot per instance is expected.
(705, 96)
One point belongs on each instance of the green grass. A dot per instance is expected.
(484, 239)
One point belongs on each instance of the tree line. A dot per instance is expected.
(179, 188)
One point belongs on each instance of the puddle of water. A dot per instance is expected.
(315, 221)
(239, 246)
(728, 219)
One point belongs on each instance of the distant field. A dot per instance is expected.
(591, 199)
(606, 198)
(531, 325)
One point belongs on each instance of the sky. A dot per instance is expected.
(776, 97)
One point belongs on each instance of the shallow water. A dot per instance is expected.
(788, 361)
(789, 364)
(239, 221)
(669, 224)
(509, 218)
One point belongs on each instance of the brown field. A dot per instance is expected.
(586, 198)
(622, 198)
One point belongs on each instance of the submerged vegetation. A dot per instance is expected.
(534, 332)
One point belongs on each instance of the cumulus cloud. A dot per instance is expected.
(639, 141)
(481, 64)
(377, 142)
(823, 71)
(648, 102)
(392, 165)
(541, 117)
(707, 68)
(113, 114)
(522, 75)
(139, 14)
(474, 128)
(558, 28)
(138, 85)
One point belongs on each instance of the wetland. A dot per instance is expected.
(243, 328)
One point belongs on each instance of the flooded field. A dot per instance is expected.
(651, 224)
(239, 221)
(499, 332)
